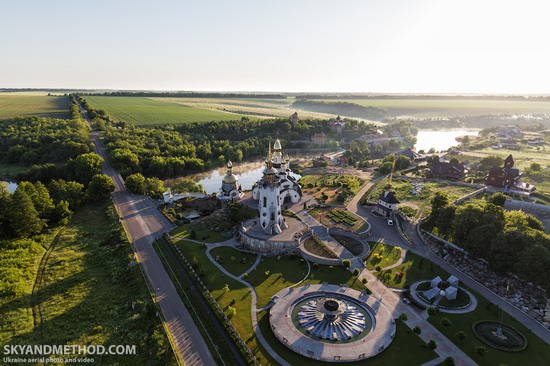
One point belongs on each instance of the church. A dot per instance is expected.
(231, 188)
(276, 186)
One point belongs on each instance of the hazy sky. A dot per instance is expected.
(478, 46)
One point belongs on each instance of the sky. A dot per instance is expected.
(386, 46)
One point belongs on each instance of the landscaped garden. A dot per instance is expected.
(382, 255)
(460, 329)
(331, 188)
(339, 218)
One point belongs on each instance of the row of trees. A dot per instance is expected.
(508, 240)
(34, 207)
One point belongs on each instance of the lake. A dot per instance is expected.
(12, 186)
(441, 140)
(248, 173)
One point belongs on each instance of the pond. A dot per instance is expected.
(248, 173)
(11, 186)
(441, 140)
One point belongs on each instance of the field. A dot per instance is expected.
(85, 293)
(26, 105)
(424, 108)
(265, 108)
(147, 111)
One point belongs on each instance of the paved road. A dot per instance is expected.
(144, 223)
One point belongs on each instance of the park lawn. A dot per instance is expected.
(406, 348)
(215, 280)
(145, 111)
(86, 291)
(390, 255)
(449, 107)
(231, 259)
(536, 353)
(201, 233)
(34, 105)
(414, 268)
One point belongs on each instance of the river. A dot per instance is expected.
(441, 140)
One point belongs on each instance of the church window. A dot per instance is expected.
(265, 201)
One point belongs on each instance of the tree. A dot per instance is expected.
(100, 187)
(125, 161)
(226, 288)
(461, 335)
(489, 162)
(364, 280)
(356, 272)
(403, 317)
(72, 192)
(231, 312)
(85, 166)
(154, 187)
(61, 213)
(480, 350)
(497, 198)
(5, 205)
(431, 310)
(449, 361)
(432, 345)
(40, 197)
(186, 185)
(446, 322)
(23, 217)
(346, 263)
(417, 330)
(386, 168)
(535, 167)
(135, 183)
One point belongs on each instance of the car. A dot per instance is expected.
(406, 300)
(390, 222)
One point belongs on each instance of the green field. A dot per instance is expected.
(146, 111)
(423, 108)
(26, 105)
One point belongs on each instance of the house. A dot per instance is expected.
(342, 160)
(507, 176)
(387, 204)
(319, 138)
(379, 138)
(321, 161)
(410, 153)
(446, 170)
(294, 118)
(537, 141)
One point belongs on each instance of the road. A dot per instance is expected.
(381, 230)
(144, 223)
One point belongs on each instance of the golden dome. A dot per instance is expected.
(277, 145)
(229, 179)
(229, 164)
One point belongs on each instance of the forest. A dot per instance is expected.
(341, 108)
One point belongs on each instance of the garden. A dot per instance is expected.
(331, 188)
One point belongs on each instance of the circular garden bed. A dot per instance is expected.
(512, 340)
(462, 297)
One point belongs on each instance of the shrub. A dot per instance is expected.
(432, 345)
(450, 361)
(431, 311)
(461, 335)
(403, 317)
(446, 322)
(331, 268)
(356, 272)
(346, 263)
(364, 281)
(378, 268)
(417, 330)
(231, 312)
(315, 265)
(480, 350)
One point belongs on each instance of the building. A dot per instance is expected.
(319, 138)
(321, 161)
(508, 178)
(409, 153)
(387, 204)
(294, 118)
(231, 188)
(276, 185)
(379, 138)
(338, 124)
(446, 170)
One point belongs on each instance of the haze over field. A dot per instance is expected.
(355, 46)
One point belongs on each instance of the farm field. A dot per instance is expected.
(261, 108)
(30, 104)
(146, 111)
(424, 108)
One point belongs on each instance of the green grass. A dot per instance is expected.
(406, 348)
(536, 353)
(201, 233)
(414, 268)
(231, 259)
(145, 111)
(450, 107)
(389, 255)
(86, 292)
(33, 105)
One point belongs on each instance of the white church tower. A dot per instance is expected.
(271, 190)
